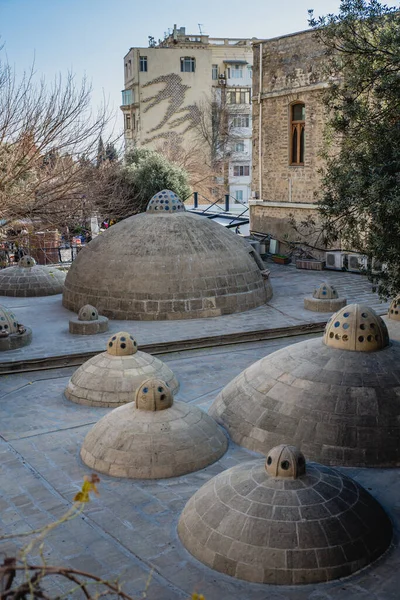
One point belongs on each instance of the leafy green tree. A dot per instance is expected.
(360, 194)
(122, 190)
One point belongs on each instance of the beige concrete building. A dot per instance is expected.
(288, 127)
(169, 84)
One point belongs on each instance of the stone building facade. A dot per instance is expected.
(288, 128)
(169, 85)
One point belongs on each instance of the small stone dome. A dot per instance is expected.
(286, 462)
(8, 321)
(154, 437)
(26, 262)
(356, 327)
(394, 309)
(315, 526)
(163, 265)
(153, 394)
(88, 313)
(165, 202)
(117, 375)
(339, 403)
(122, 344)
(13, 335)
(324, 299)
(29, 279)
(325, 291)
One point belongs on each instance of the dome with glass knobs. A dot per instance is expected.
(113, 377)
(167, 263)
(337, 397)
(153, 437)
(284, 521)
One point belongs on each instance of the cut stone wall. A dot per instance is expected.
(292, 71)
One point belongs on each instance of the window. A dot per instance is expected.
(239, 96)
(250, 71)
(127, 97)
(239, 146)
(241, 170)
(241, 121)
(235, 72)
(129, 67)
(239, 195)
(127, 122)
(143, 64)
(215, 71)
(188, 64)
(297, 125)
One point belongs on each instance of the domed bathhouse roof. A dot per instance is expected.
(166, 264)
(113, 377)
(29, 279)
(284, 522)
(337, 397)
(13, 335)
(88, 321)
(324, 299)
(153, 437)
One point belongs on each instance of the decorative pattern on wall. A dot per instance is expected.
(174, 91)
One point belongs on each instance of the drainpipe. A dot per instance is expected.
(260, 87)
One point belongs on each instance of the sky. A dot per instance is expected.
(91, 37)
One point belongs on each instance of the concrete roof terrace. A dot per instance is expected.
(283, 315)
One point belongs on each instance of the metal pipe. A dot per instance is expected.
(226, 202)
(195, 199)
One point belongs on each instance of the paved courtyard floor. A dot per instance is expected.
(129, 532)
(49, 319)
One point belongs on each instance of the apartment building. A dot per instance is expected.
(168, 85)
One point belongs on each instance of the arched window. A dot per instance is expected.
(297, 125)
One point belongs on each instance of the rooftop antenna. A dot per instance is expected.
(200, 25)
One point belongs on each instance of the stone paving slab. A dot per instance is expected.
(130, 530)
(49, 319)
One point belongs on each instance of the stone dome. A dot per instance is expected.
(325, 298)
(392, 319)
(153, 437)
(8, 321)
(122, 344)
(340, 405)
(13, 335)
(312, 526)
(88, 322)
(26, 262)
(113, 377)
(153, 394)
(166, 265)
(29, 279)
(394, 309)
(286, 462)
(358, 328)
(325, 291)
(88, 313)
(166, 201)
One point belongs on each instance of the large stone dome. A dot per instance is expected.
(153, 437)
(113, 377)
(166, 264)
(284, 522)
(338, 398)
(29, 279)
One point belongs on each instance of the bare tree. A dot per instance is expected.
(216, 128)
(48, 136)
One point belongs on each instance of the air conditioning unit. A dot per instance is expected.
(377, 266)
(335, 260)
(357, 263)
